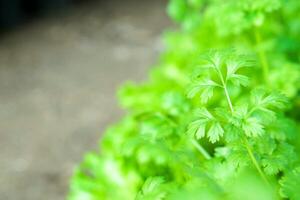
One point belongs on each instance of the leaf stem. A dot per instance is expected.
(228, 99)
(254, 161)
(225, 90)
(201, 149)
(262, 55)
(247, 145)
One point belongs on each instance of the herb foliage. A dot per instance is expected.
(218, 117)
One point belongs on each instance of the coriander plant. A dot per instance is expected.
(219, 116)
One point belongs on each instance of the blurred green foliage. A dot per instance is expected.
(218, 117)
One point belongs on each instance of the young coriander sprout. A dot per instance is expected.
(241, 135)
(240, 122)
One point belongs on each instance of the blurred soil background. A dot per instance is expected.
(58, 78)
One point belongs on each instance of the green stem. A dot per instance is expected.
(247, 145)
(201, 149)
(254, 161)
(228, 99)
(225, 90)
(262, 55)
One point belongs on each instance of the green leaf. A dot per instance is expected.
(279, 160)
(205, 87)
(240, 111)
(265, 101)
(290, 184)
(238, 80)
(207, 94)
(252, 127)
(215, 132)
(197, 128)
(203, 113)
(265, 105)
(200, 132)
(216, 59)
(233, 133)
(238, 156)
(232, 67)
(152, 189)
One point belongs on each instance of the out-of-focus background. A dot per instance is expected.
(60, 65)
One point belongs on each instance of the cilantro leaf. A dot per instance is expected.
(215, 132)
(253, 127)
(203, 86)
(152, 189)
(290, 184)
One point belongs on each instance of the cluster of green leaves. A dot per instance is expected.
(209, 124)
